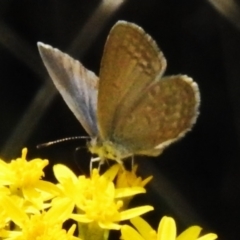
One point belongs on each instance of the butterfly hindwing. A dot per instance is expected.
(163, 114)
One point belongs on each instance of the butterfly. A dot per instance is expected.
(130, 109)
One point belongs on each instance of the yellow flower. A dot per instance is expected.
(23, 178)
(166, 231)
(21, 173)
(127, 183)
(96, 198)
(41, 226)
(4, 219)
(130, 179)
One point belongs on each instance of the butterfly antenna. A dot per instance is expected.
(47, 144)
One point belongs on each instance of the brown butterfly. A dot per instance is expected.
(130, 109)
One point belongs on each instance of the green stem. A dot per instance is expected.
(91, 231)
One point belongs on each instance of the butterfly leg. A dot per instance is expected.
(132, 161)
(93, 160)
(97, 159)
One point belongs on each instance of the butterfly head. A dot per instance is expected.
(108, 150)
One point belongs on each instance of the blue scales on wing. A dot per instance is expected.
(77, 85)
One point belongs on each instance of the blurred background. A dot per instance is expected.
(196, 180)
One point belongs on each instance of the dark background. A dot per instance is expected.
(197, 180)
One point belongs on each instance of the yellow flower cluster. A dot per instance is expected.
(166, 231)
(32, 208)
(96, 199)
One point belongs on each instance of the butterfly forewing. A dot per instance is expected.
(131, 61)
(163, 113)
(76, 84)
